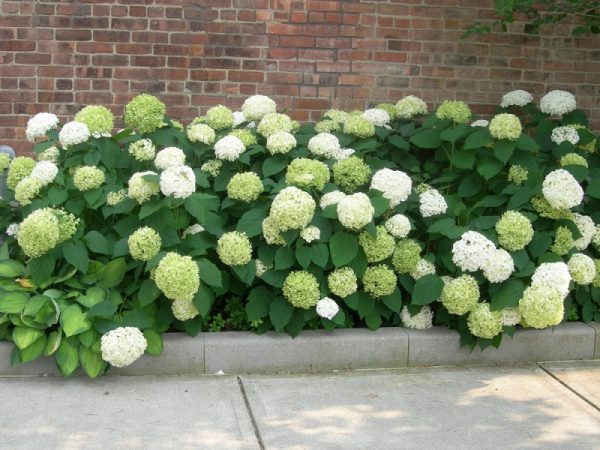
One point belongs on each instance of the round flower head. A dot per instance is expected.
(514, 231)
(471, 251)
(423, 320)
(460, 295)
(281, 142)
(541, 306)
(407, 255)
(324, 144)
(142, 150)
(410, 106)
(456, 111)
(73, 133)
(67, 224)
(328, 126)
(516, 98)
(310, 233)
(544, 209)
(510, 317)
(219, 117)
(87, 178)
(432, 203)
(423, 268)
(581, 268)
(327, 308)
(359, 126)
(398, 225)
(245, 187)
(377, 248)
(229, 148)
(394, 184)
(50, 154)
(331, 198)
(517, 174)
(122, 346)
(274, 122)
(144, 113)
(45, 172)
(212, 167)
(498, 267)
(27, 189)
(337, 115)
(246, 136)
(140, 189)
(378, 117)
(200, 132)
(39, 233)
(342, 282)
(355, 211)
(350, 174)
(566, 133)
(234, 249)
(271, 232)
(505, 126)
(379, 281)
(307, 174)
(177, 277)
(562, 190)
(169, 157)
(184, 310)
(557, 103)
(4, 161)
(144, 244)
(573, 159)
(179, 181)
(114, 198)
(587, 228)
(301, 289)
(39, 125)
(257, 106)
(480, 123)
(483, 322)
(98, 119)
(563, 241)
(389, 108)
(292, 209)
(555, 275)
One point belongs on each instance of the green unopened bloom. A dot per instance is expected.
(27, 189)
(244, 135)
(234, 249)
(544, 209)
(99, 119)
(514, 231)
(379, 281)
(4, 161)
(377, 248)
(541, 306)
(177, 277)
(301, 289)
(271, 232)
(359, 126)
(483, 322)
(145, 113)
(116, 197)
(407, 255)
(144, 244)
(505, 126)
(517, 174)
(350, 174)
(87, 178)
(19, 168)
(219, 117)
(563, 241)
(342, 282)
(245, 187)
(460, 295)
(573, 159)
(456, 111)
(307, 173)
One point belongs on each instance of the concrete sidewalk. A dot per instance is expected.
(547, 405)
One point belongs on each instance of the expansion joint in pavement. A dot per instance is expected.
(569, 387)
(250, 413)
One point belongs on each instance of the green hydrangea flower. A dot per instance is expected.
(19, 168)
(505, 126)
(292, 209)
(307, 174)
(234, 249)
(514, 231)
(350, 174)
(460, 295)
(271, 232)
(140, 189)
(67, 224)
(590, 147)
(212, 167)
(245, 187)
(301, 289)
(328, 126)
(116, 197)
(456, 111)
(99, 119)
(184, 310)
(389, 108)
(142, 150)
(200, 132)
(517, 174)
(177, 277)
(87, 178)
(573, 159)
(410, 106)
(544, 209)
(144, 244)
(582, 269)
(50, 154)
(274, 122)
(541, 306)
(483, 322)
(38, 233)
(378, 248)
(219, 117)
(359, 126)
(407, 255)
(4, 161)
(246, 136)
(145, 113)
(563, 241)
(27, 189)
(342, 282)
(379, 281)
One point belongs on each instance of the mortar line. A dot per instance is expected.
(568, 387)
(261, 445)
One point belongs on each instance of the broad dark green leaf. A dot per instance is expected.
(343, 248)
(427, 289)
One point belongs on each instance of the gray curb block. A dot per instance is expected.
(245, 352)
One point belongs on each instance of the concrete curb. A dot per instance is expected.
(245, 352)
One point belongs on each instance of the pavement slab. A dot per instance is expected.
(583, 377)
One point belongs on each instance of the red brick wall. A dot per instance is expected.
(309, 55)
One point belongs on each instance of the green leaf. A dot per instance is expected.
(380, 204)
(593, 188)
(463, 159)
(25, 336)
(258, 304)
(284, 258)
(113, 273)
(491, 201)
(155, 342)
(13, 302)
(427, 139)
(93, 296)
(148, 292)
(539, 244)
(393, 301)
(373, 320)
(41, 269)
(97, 243)
(57, 196)
(503, 150)
(303, 255)
(478, 139)
(91, 362)
(506, 295)
(366, 305)
(67, 356)
(151, 207)
(320, 254)
(210, 273)
(54, 340)
(280, 313)
(273, 165)
(203, 300)
(10, 268)
(251, 222)
(102, 309)
(526, 143)
(445, 227)
(138, 318)
(398, 142)
(35, 350)
(489, 167)
(427, 289)
(343, 248)
(73, 321)
(453, 134)
(75, 252)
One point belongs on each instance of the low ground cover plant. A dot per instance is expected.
(247, 220)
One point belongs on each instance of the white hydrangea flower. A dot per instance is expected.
(398, 226)
(516, 98)
(169, 157)
(200, 132)
(73, 133)
(432, 203)
(511, 317)
(331, 198)
(324, 144)
(281, 142)
(192, 229)
(557, 103)
(238, 118)
(410, 106)
(378, 117)
(122, 346)
(355, 211)
(481, 123)
(257, 106)
(562, 190)
(498, 267)
(45, 172)
(229, 148)
(39, 125)
(555, 275)
(13, 230)
(343, 153)
(327, 308)
(420, 321)
(566, 133)
(261, 267)
(180, 182)
(424, 267)
(310, 233)
(582, 268)
(471, 252)
(394, 184)
(587, 228)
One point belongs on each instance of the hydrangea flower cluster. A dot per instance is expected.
(331, 198)
(407, 255)
(518, 97)
(410, 106)
(169, 157)
(355, 211)
(566, 133)
(301, 289)
(350, 174)
(245, 187)
(123, 346)
(73, 133)
(19, 168)
(184, 310)
(483, 322)
(310, 233)
(498, 266)
(144, 113)
(379, 281)
(27, 189)
(87, 178)
(424, 267)
(555, 275)
(50, 154)
(557, 103)
(44, 229)
(178, 181)
(97, 118)
(544, 209)
(45, 172)
(234, 249)
(480, 123)
(4, 161)
(324, 144)
(177, 277)
(281, 142)
(257, 106)
(587, 228)
(460, 295)
(514, 231)
(39, 125)
(359, 126)
(389, 108)
(422, 320)
(511, 317)
(307, 174)
(212, 167)
(292, 209)
(377, 116)
(505, 126)
(541, 306)
(398, 225)
(342, 282)
(395, 185)
(454, 110)
(229, 148)
(219, 117)
(573, 159)
(116, 197)
(141, 189)
(327, 308)
(144, 244)
(142, 150)
(432, 203)
(246, 136)
(562, 190)
(563, 241)
(377, 248)
(582, 268)
(274, 122)
(471, 251)
(517, 174)
(200, 132)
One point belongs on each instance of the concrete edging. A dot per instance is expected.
(246, 352)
